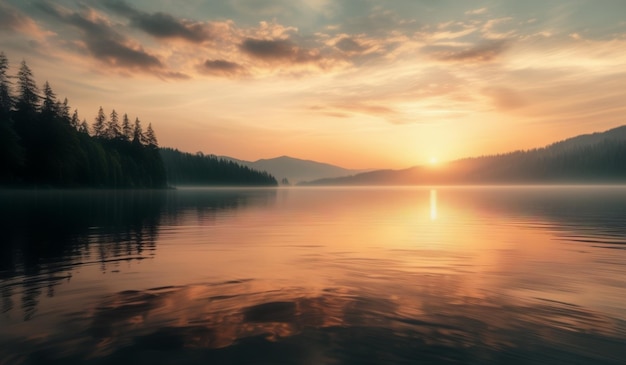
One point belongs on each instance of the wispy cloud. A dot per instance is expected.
(12, 20)
(103, 42)
(161, 25)
(483, 52)
(476, 11)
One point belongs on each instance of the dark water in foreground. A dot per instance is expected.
(314, 276)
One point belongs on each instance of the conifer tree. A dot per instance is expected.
(127, 130)
(138, 136)
(151, 139)
(11, 153)
(49, 107)
(99, 126)
(64, 110)
(6, 102)
(84, 127)
(28, 94)
(113, 130)
(75, 121)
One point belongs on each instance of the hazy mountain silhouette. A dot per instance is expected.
(615, 134)
(295, 169)
(589, 158)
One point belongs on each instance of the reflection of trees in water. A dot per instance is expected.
(47, 234)
(205, 204)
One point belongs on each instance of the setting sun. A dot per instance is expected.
(433, 161)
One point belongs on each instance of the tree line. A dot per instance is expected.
(42, 144)
(198, 169)
(601, 161)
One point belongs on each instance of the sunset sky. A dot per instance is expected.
(357, 83)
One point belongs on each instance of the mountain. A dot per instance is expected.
(590, 158)
(615, 134)
(295, 169)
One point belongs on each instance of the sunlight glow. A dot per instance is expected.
(433, 204)
(433, 160)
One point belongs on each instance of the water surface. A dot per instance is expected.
(468, 275)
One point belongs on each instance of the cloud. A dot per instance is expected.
(350, 45)
(269, 49)
(266, 7)
(173, 75)
(104, 43)
(484, 52)
(367, 108)
(377, 22)
(348, 108)
(12, 20)
(280, 50)
(161, 25)
(476, 11)
(222, 68)
(497, 29)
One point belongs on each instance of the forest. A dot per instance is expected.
(45, 145)
(199, 169)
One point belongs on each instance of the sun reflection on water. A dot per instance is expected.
(433, 204)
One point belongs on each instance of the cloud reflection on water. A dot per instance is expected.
(424, 317)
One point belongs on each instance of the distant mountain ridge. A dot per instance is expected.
(295, 169)
(590, 158)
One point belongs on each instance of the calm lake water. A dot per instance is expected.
(476, 275)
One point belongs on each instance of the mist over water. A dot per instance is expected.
(467, 275)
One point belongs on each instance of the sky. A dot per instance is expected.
(357, 83)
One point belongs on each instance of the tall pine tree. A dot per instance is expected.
(113, 130)
(75, 121)
(11, 153)
(99, 126)
(28, 93)
(6, 101)
(127, 130)
(64, 111)
(49, 108)
(138, 137)
(151, 139)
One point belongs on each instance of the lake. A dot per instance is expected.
(389, 275)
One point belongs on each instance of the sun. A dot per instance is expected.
(433, 161)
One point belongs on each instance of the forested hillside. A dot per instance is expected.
(189, 169)
(43, 144)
